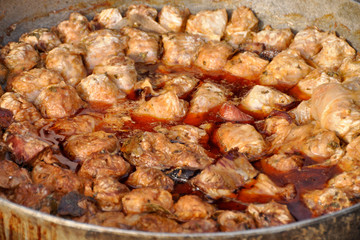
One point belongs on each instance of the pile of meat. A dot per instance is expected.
(177, 122)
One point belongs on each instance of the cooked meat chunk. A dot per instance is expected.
(285, 70)
(230, 221)
(109, 219)
(141, 9)
(242, 137)
(58, 101)
(109, 18)
(146, 200)
(19, 56)
(80, 147)
(264, 189)
(349, 182)
(41, 39)
(30, 83)
(56, 178)
(281, 163)
(180, 49)
(246, 65)
(66, 60)
(121, 70)
(191, 207)
(3, 73)
(213, 55)
(74, 29)
(153, 223)
(12, 176)
(325, 201)
(21, 109)
(262, 100)
(100, 45)
(181, 84)
(99, 165)
(80, 124)
(230, 112)
(349, 69)
(142, 47)
(334, 51)
(270, 214)
(150, 177)
(199, 226)
(156, 150)
(302, 113)
(98, 89)
(173, 18)
(274, 39)
(184, 134)
(223, 178)
(165, 107)
(209, 24)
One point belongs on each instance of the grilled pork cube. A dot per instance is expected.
(242, 137)
(99, 89)
(209, 24)
(121, 70)
(150, 177)
(325, 201)
(173, 18)
(180, 49)
(66, 60)
(146, 200)
(182, 85)
(213, 55)
(41, 39)
(100, 45)
(80, 147)
(230, 221)
(74, 29)
(58, 101)
(302, 113)
(77, 125)
(191, 207)
(141, 9)
(199, 226)
(12, 176)
(184, 133)
(282, 163)
(285, 70)
(223, 178)
(274, 39)
(109, 18)
(21, 109)
(30, 83)
(246, 65)
(153, 223)
(262, 100)
(99, 165)
(349, 69)
(142, 47)
(349, 182)
(270, 214)
(19, 56)
(333, 53)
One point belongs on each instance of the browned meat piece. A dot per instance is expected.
(153, 223)
(74, 29)
(325, 201)
(80, 124)
(150, 177)
(224, 177)
(141, 9)
(173, 18)
(274, 39)
(3, 73)
(142, 47)
(30, 83)
(246, 65)
(121, 70)
(182, 85)
(109, 219)
(349, 182)
(156, 150)
(66, 60)
(213, 55)
(41, 39)
(199, 226)
(109, 18)
(230, 112)
(6, 117)
(146, 200)
(191, 207)
(351, 159)
(180, 49)
(100, 45)
(104, 165)
(80, 147)
(302, 113)
(242, 137)
(12, 176)
(184, 134)
(285, 70)
(281, 163)
(264, 189)
(230, 221)
(19, 56)
(349, 69)
(56, 178)
(262, 100)
(21, 109)
(270, 214)
(209, 24)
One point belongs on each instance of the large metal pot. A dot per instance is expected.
(17, 17)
